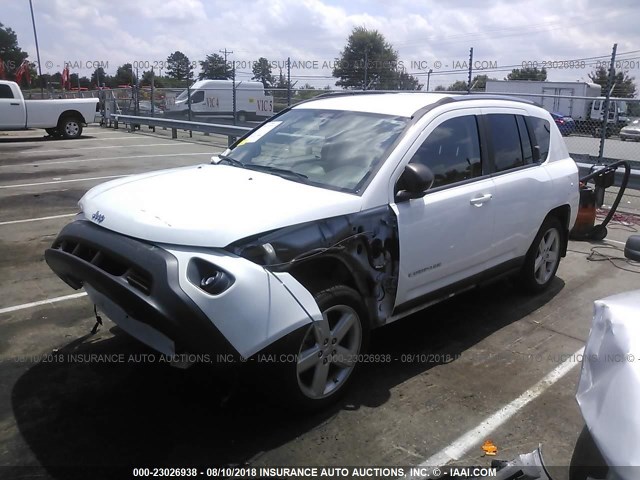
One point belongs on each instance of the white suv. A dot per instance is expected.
(337, 216)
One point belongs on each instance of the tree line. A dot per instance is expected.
(368, 61)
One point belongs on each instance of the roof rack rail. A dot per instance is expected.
(354, 92)
(456, 96)
(491, 96)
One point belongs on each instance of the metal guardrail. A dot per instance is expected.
(233, 132)
(634, 179)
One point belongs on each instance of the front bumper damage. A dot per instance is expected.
(153, 293)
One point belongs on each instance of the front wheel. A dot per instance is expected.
(587, 461)
(328, 354)
(70, 127)
(543, 258)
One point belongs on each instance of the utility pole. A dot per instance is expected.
(605, 107)
(470, 70)
(288, 81)
(429, 77)
(234, 93)
(226, 52)
(33, 21)
(366, 65)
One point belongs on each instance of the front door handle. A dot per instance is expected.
(15, 104)
(478, 201)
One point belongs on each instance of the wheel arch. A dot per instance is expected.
(324, 271)
(71, 113)
(563, 214)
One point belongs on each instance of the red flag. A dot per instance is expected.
(66, 81)
(23, 70)
(2, 69)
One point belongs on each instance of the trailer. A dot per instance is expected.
(581, 101)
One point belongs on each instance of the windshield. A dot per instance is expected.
(334, 149)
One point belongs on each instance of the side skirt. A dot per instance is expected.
(483, 278)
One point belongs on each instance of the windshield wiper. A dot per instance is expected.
(282, 172)
(231, 161)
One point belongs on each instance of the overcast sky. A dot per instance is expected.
(428, 34)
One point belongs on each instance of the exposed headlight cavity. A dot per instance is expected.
(208, 277)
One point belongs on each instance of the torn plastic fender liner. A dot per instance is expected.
(365, 243)
(258, 309)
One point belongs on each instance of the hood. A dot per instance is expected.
(209, 205)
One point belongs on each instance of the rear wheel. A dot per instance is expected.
(70, 127)
(543, 258)
(328, 354)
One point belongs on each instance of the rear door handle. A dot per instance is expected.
(478, 201)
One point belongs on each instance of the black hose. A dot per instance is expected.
(599, 232)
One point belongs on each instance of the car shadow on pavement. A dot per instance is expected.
(44, 138)
(106, 413)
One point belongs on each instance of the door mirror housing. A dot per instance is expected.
(414, 182)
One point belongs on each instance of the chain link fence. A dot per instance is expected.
(598, 121)
(576, 108)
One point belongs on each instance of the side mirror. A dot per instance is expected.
(414, 182)
(632, 248)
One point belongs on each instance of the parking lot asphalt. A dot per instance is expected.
(445, 378)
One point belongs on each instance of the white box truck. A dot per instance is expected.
(586, 108)
(215, 98)
(60, 118)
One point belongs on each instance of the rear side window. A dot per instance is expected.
(541, 132)
(505, 138)
(525, 141)
(452, 151)
(5, 91)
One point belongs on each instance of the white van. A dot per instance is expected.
(215, 97)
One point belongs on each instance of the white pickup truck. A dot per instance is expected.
(60, 118)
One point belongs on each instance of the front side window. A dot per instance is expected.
(505, 138)
(328, 148)
(198, 97)
(452, 151)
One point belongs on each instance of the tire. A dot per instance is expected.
(70, 127)
(587, 461)
(52, 132)
(326, 357)
(543, 258)
(242, 117)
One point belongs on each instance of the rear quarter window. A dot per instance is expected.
(541, 134)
